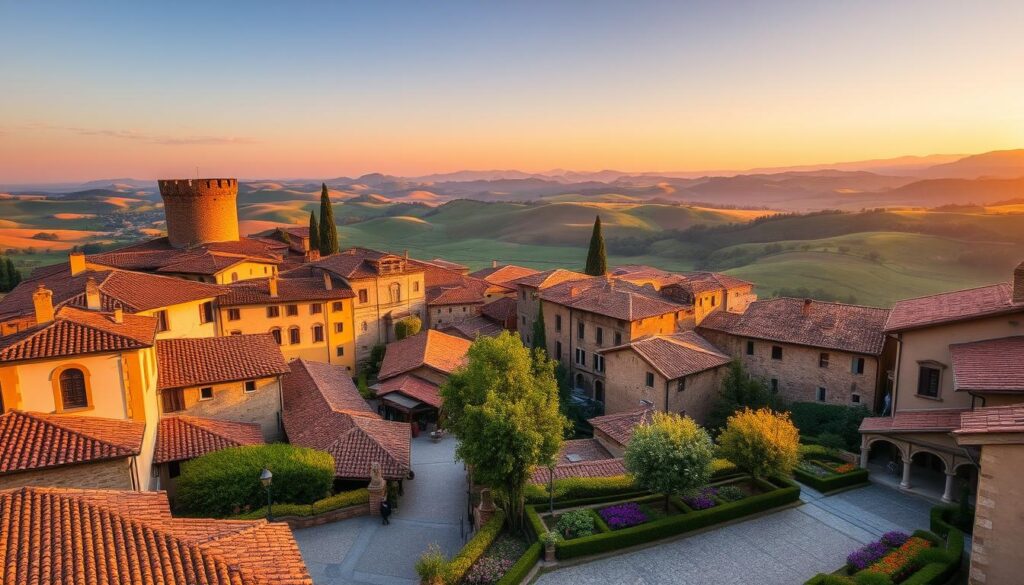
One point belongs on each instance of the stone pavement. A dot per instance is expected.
(361, 551)
(784, 548)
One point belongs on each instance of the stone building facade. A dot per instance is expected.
(200, 211)
(112, 474)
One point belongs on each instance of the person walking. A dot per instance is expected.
(385, 512)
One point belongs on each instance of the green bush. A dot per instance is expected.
(944, 517)
(226, 481)
(832, 482)
(328, 504)
(573, 488)
(731, 493)
(786, 492)
(870, 578)
(576, 524)
(432, 567)
(474, 549)
(521, 569)
(816, 418)
(407, 327)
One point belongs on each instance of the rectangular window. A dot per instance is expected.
(364, 296)
(750, 348)
(294, 337)
(776, 352)
(598, 362)
(206, 312)
(234, 314)
(774, 385)
(316, 309)
(681, 384)
(415, 286)
(821, 394)
(173, 469)
(823, 360)
(318, 334)
(339, 327)
(928, 381)
(581, 356)
(618, 338)
(649, 380)
(250, 385)
(855, 398)
(857, 367)
(206, 393)
(558, 322)
(291, 310)
(558, 350)
(273, 312)
(336, 306)
(600, 336)
(173, 400)
(523, 318)
(161, 321)
(340, 351)
(580, 330)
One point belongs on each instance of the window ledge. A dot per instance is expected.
(935, 398)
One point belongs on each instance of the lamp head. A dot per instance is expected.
(266, 477)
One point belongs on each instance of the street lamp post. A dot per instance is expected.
(266, 478)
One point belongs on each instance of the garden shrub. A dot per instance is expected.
(832, 442)
(474, 549)
(576, 523)
(946, 516)
(871, 578)
(226, 481)
(731, 493)
(816, 418)
(432, 567)
(761, 442)
(522, 568)
(831, 481)
(572, 488)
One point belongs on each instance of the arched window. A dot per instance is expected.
(276, 332)
(234, 277)
(294, 337)
(72, 389)
(363, 326)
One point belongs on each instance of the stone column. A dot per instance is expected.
(947, 495)
(864, 450)
(905, 482)
(377, 488)
(485, 510)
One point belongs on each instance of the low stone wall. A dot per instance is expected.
(298, 522)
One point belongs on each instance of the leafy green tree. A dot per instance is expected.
(372, 364)
(328, 230)
(597, 262)
(540, 338)
(363, 387)
(314, 232)
(739, 390)
(672, 455)
(503, 407)
(761, 442)
(408, 327)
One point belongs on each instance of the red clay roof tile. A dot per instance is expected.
(210, 360)
(992, 365)
(992, 419)
(950, 307)
(433, 349)
(75, 332)
(619, 427)
(676, 355)
(31, 440)
(186, 437)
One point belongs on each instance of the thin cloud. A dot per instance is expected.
(162, 139)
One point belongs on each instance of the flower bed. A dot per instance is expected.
(897, 558)
(623, 515)
(702, 499)
(497, 561)
(902, 561)
(826, 473)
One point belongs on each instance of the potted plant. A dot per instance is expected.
(432, 567)
(550, 539)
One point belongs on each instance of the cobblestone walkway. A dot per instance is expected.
(784, 548)
(363, 552)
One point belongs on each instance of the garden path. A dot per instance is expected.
(361, 551)
(783, 548)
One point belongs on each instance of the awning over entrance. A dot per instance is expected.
(403, 402)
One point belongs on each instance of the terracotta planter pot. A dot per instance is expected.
(549, 552)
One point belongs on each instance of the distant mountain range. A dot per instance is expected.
(926, 181)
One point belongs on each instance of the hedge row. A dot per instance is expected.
(521, 569)
(832, 482)
(328, 504)
(942, 518)
(673, 525)
(474, 549)
(815, 418)
(944, 562)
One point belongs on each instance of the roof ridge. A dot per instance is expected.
(961, 290)
(835, 303)
(207, 429)
(375, 441)
(74, 432)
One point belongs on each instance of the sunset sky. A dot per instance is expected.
(318, 90)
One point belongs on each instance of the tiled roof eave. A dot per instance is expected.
(833, 347)
(1018, 308)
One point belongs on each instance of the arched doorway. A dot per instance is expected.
(581, 382)
(599, 391)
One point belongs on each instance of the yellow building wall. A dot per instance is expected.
(245, 271)
(932, 344)
(183, 321)
(372, 325)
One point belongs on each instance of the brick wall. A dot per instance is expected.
(108, 475)
(200, 210)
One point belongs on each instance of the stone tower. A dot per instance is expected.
(200, 211)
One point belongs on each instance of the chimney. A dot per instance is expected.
(406, 253)
(118, 314)
(494, 263)
(574, 291)
(806, 309)
(92, 294)
(1018, 283)
(311, 256)
(76, 261)
(328, 283)
(43, 301)
(272, 285)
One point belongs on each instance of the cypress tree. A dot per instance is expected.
(597, 262)
(328, 231)
(5, 279)
(540, 338)
(314, 232)
(13, 276)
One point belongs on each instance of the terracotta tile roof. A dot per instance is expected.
(501, 310)
(576, 450)
(611, 298)
(548, 278)
(953, 306)
(993, 365)
(132, 291)
(413, 387)
(468, 291)
(472, 328)
(257, 291)
(676, 355)
(598, 468)
(503, 275)
(693, 282)
(358, 263)
(75, 332)
(430, 348)
(849, 328)
(992, 419)
(186, 437)
(211, 360)
(32, 440)
(904, 421)
(98, 537)
(158, 255)
(323, 410)
(619, 427)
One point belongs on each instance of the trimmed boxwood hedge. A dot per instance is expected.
(521, 569)
(474, 549)
(785, 492)
(226, 481)
(832, 482)
(941, 518)
(328, 504)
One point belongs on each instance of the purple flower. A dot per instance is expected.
(623, 515)
(867, 555)
(702, 499)
(895, 539)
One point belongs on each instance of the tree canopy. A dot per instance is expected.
(761, 442)
(739, 390)
(503, 407)
(328, 229)
(408, 327)
(672, 455)
(597, 261)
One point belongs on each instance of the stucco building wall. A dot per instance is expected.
(374, 319)
(999, 517)
(114, 474)
(627, 388)
(232, 403)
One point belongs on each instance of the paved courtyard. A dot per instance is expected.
(783, 548)
(363, 552)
